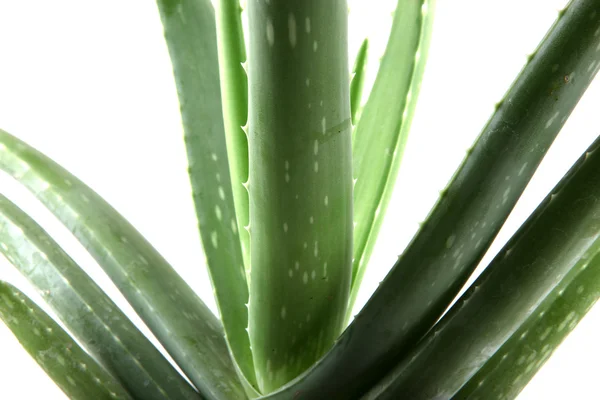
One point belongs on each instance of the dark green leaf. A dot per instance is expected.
(467, 217)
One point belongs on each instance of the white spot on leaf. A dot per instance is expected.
(551, 119)
(545, 334)
(523, 168)
(292, 29)
(270, 32)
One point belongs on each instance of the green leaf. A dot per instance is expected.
(86, 311)
(358, 79)
(387, 116)
(234, 89)
(300, 183)
(467, 217)
(162, 299)
(523, 285)
(69, 366)
(513, 365)
(190, 33)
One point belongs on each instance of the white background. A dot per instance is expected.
(90, 84)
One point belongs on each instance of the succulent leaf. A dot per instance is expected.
(280, 172)
(78, 375)
(87, 311)
(467, 217)
(524, 284)
(387, 115)
(162, 299)
(191, 36)
(300, 183)
(234, 90)
(358, 80)
(513, 365)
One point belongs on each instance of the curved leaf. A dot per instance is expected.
(300, 183)
(87, 311)
(69, 366)
(162, 299)
(467, 217)
(190, 33)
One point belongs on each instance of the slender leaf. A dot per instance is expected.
(190, 32)
(467, 217)
(387, 115)
(69, 366)
(234, 89)
(358, 80)
(86, 311)
(300, 183)
(513, 365)
(531, 272)
(169, 307)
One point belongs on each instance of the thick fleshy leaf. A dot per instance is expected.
(234, 90)
(69, 366)
(87, 311)
(525, 283)
(513, 365)
(300, 183)
(190, 33)
(467, 217)
(162, 299)
(384, 124)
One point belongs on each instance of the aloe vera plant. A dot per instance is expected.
(291, 171)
